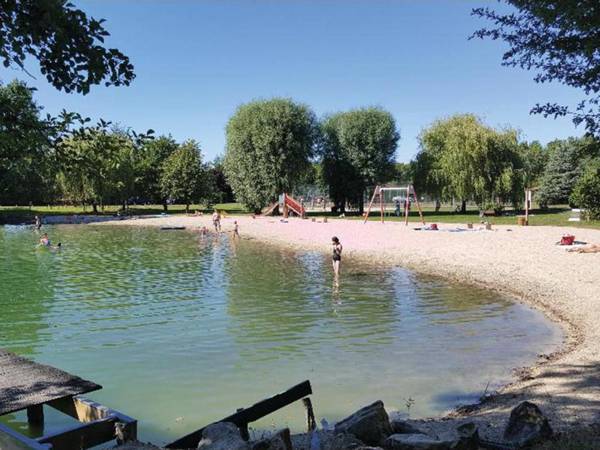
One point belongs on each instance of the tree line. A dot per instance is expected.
(272, 143)
(275, 146)
(65, 159)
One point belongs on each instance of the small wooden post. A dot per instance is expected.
(406, 205)
(527, 199)
(371, 204)
(311, 423)
(381, 205)
(418, 204)
(35, 415)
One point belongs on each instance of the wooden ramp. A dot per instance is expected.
(270, 210)
(27, 385)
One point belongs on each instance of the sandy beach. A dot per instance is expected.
(521, 261)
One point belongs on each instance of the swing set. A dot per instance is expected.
(407, 191)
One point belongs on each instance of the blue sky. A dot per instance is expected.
(196, 61)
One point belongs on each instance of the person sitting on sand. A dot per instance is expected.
(591, 248)
(216, 218)
(336, 257)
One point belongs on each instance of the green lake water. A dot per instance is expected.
(181, 331)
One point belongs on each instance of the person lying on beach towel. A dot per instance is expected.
(592, 248)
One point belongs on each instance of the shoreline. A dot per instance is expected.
(522, 262)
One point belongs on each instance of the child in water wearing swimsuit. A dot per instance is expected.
(336, 257)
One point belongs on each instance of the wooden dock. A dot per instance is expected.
(27, 385)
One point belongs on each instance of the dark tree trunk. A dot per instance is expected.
(165, 207)
(95, 207)
(187, 208)
(463, 207)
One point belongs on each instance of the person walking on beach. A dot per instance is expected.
(336, 258)
(216, 218)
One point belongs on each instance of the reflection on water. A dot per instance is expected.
(181, 330)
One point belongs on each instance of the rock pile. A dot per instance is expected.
(370, 428)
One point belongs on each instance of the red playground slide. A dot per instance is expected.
(294, 205)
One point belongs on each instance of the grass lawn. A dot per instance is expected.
(28, 213)
(555, 216)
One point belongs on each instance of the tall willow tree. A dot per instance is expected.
(269, 146)
(358, 149)
(183, 176)
(462, 158)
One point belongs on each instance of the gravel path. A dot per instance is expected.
(523, 261)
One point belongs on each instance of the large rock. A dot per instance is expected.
(370, 424)
(343, 441)
(400, 426)
(415, 442)
(468, 437)
(465, 437)
(526, 425)
(281, 440)
(222, 436)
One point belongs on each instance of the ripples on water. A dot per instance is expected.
(175, 326)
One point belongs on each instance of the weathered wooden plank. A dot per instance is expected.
(81, 409)
(257, 411)
(87, 411)
(82, 436)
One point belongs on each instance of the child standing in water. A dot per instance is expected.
(336, 258)
(236, 229)
(216, 218)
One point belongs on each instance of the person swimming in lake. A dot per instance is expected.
(45, 240)
(336, 257)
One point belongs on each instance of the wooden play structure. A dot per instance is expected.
(284, 205)
(528, 199)
(378, 194)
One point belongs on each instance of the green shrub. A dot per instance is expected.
(586, 193)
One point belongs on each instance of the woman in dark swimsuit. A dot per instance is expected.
(336, 257)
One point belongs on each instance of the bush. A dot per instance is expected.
(587, 191)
